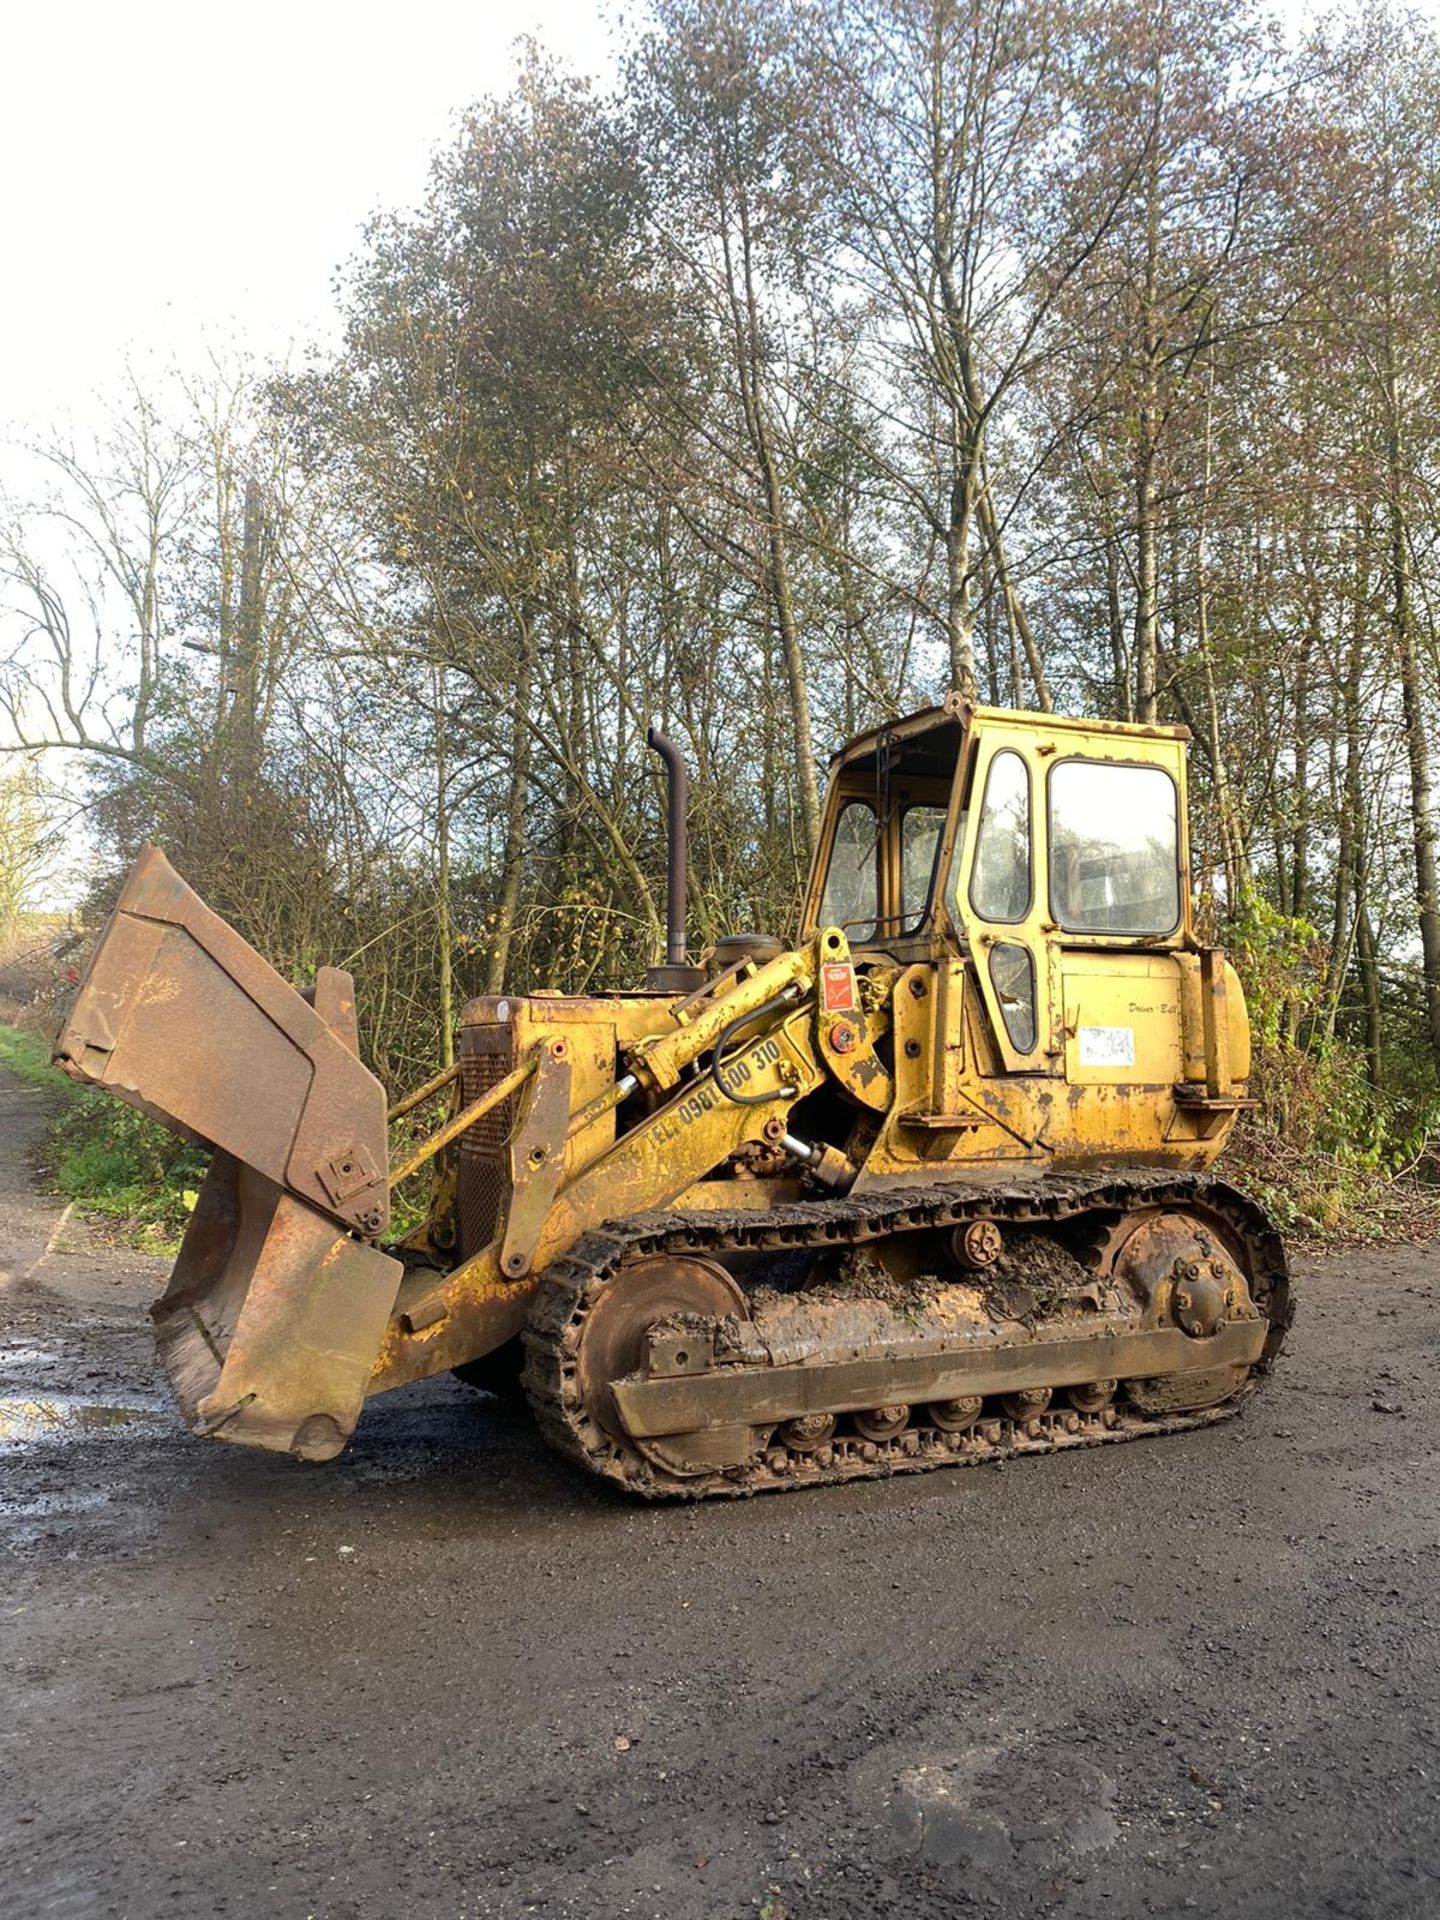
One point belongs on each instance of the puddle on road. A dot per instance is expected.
(24, 1422)
(52, 1499)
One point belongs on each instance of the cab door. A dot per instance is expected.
(1115, 826)
(997, 895)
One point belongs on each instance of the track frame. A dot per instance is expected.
(573, 1284)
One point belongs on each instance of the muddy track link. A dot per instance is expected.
(571, 1285)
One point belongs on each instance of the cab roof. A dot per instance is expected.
(956, 714)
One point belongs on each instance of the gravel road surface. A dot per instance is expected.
(445, 1676)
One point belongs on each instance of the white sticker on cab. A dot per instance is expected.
(1107, 1046)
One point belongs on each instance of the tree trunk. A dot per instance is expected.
(750, 354)
(1422, 800)
(959, 612)
(1351, 861)
(1417, 746)
(516, 798)
(1300, 838)
(1119, 652)
(1147, 597)
(1370, 987)
(444, 941)
(243, 745)
(791, 655)
(1233, 854)
(1147, 570)
(1015, 615)
(1300, 826)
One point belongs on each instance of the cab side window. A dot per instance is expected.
(1114, 848)
(921, 827)
(1000, 889)
(852, 892)
(1012, 974)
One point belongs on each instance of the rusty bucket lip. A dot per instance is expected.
(273, 1318)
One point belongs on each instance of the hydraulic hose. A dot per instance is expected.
(786, 997)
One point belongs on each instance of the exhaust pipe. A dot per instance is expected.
(674, 976)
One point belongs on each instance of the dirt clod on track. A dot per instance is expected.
(446, 1676)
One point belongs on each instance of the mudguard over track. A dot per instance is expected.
(572, 1286)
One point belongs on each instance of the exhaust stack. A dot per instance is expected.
(674, 976)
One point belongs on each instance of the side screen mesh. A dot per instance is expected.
(487, 1054)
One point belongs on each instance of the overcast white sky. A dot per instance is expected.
(175, 172)
(171, 169)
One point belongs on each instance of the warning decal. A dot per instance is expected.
(1107, 1046)
(837, 986)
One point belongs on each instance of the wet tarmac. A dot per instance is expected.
(444, 1676)
(25, 1422)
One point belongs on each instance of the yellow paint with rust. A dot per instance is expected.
(967, 1098)
(936, 1083)
(473, 1308)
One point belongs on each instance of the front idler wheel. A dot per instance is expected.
(614, 1342)
(613, 1337)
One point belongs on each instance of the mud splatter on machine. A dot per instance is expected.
(926, 1186)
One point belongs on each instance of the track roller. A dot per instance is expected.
(955, 1416)
(882, 1423)
(1028, 1404)
(809, 1432)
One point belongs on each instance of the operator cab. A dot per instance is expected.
(969, 831)
(889, 805)
(889, 833)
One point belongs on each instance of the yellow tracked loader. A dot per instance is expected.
(925, 1188)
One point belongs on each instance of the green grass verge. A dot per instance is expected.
(28, 1057)
(114, 1163)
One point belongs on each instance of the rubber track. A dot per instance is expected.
(571, 1283)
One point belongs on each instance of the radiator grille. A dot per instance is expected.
(487, 1054)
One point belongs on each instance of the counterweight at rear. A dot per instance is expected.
(927, 1186)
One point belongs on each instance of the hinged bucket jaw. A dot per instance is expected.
(277, 1307)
